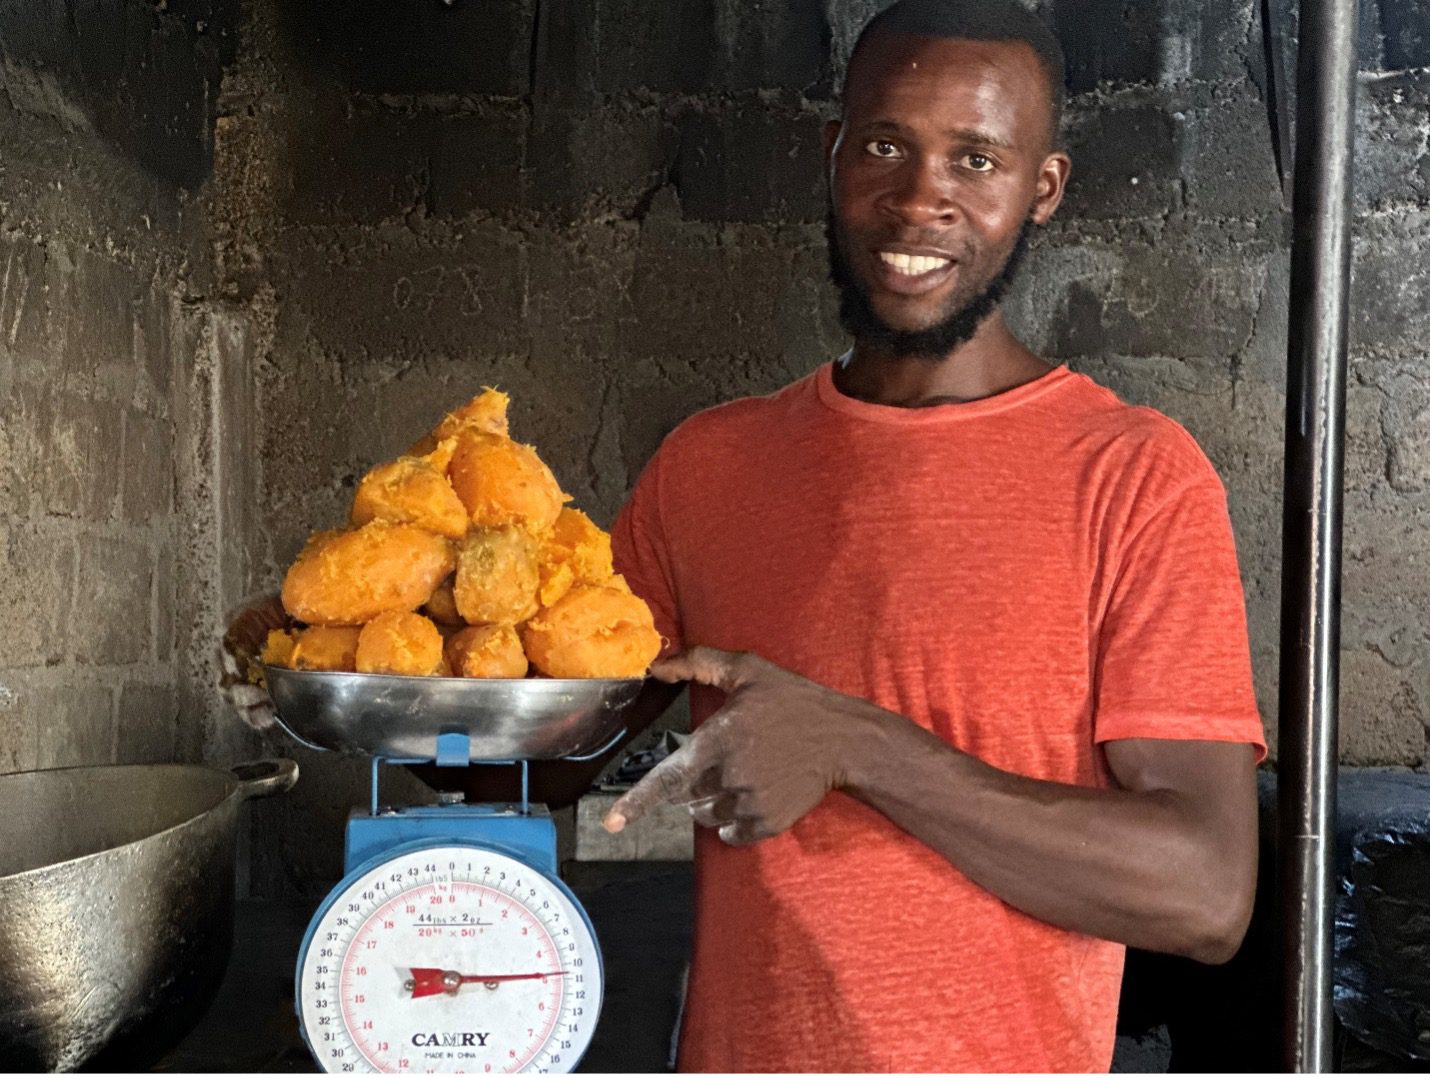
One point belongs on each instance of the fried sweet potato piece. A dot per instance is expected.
(400, 642)
(348, 578)
(496, 576)
(485, 412)
(504, 482)
(592, 631)
(278, 648)
(486, 651)
(413, 490)
(326, 647)
(441, 605)
(576, 551)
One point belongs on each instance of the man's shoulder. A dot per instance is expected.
(736, 423)
(1138, 437)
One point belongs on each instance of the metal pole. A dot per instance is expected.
(1311, 538)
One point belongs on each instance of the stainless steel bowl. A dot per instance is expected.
(401, 717)
(116, 907)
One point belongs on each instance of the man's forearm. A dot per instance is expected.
(1122, 865)
(1167, 861)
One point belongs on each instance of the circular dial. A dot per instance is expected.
(452, 960)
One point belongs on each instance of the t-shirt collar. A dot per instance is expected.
(831, 398)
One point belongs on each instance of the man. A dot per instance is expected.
(965, 634)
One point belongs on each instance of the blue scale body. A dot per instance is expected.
(529, 837)
(522, 831)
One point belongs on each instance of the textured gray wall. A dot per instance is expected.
(222, 302)
(612, 209)
(105, 119)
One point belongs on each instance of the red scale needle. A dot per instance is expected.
(436, 982)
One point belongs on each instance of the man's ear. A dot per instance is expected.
(1052, 182)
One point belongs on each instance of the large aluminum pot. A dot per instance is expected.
(116, 906)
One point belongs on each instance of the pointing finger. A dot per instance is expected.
(668, 782)
(672, 781)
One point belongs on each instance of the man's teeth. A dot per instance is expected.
(912, 265)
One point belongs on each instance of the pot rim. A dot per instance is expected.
(238, 788)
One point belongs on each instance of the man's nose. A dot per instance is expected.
(922, 194)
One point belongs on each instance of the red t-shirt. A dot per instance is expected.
(1027, 576)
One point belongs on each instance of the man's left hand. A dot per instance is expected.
(247, 629)
(780, 743)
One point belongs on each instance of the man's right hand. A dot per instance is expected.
(248, 628)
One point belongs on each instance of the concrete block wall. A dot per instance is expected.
(613, 210)
(105, 118)
(1166, 275)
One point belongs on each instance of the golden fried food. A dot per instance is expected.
(592, 631)
(413, 490)
(485, 412)
(278, 648)
(470, 527)
(576, 551)
(326, 647)
(348, 578)
(441, 456)
(399, 642)
(496, 576)
(486, 651)
(441, 605)
(316, 540)
(504, 482)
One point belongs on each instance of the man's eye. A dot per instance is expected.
(882, 148)
(979, 162)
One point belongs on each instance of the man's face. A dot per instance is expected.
(943, 158)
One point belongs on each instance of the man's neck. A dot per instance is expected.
(992, 361)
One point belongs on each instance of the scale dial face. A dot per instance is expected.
(452, 960)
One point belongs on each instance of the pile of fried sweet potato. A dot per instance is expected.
(463, 560)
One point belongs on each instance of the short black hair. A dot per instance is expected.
(975, 20)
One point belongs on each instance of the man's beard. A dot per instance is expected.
(934, 342)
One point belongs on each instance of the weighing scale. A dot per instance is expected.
(451, 944)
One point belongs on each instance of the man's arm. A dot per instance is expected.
(1167, 862)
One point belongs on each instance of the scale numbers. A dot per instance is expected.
(450, 960)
